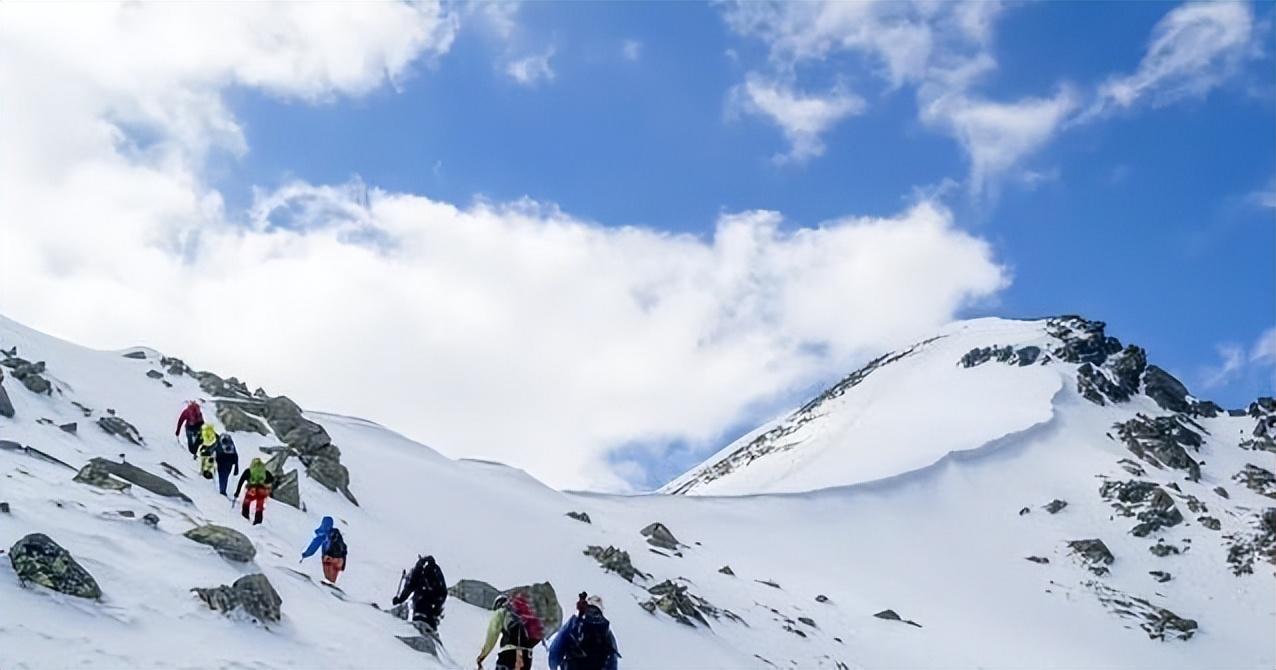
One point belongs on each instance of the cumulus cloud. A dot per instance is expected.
(511, 331)
(1192, 50)
(531, 70)
(803, 117)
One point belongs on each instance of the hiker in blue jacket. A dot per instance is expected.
(585, 642)
(329, 540)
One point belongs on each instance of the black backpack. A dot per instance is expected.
(336, 544)
(590, 641)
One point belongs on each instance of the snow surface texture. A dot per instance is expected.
(901, 491)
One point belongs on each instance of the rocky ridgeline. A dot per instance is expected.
(773, 440)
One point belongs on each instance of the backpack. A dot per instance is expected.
(523, 629)
(590, 641)
(254, 480)
(225, 446)
(336, 544)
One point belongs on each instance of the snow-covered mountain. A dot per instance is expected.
(1029, 493)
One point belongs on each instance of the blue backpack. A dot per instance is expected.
(590, 641)
(225, 445)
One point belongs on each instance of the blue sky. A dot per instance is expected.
(1144, 220)
(1113, 159)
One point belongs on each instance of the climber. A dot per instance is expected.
(208, 437)
(259, 481)
(194, 420)
(585, 642)
(329, 540)
(227, 460)
(428, 589)
(519, 631)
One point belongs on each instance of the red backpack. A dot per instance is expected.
(523, 629)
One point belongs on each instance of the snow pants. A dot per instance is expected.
(332, 568)
(507, 660)
(192, 437)
(223, 477)
(257, 495)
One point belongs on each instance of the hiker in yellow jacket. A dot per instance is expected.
(208, 440)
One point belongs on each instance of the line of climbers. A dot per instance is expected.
(585, 642)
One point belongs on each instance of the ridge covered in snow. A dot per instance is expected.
(1027, 493)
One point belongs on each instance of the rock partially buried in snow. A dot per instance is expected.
(228, 542)
(139, 477)
(1055, 506)
(151, 519)
(286, 490)
(1163, 442)
(253, 594)
(541, 596)
(726, 570)
(70, 428)
(1094, 553)
(890, 615)
(615, 560)
(580, 516)
(6, 406)
(37, 558)
(114, 425)
(659, 535)
(94, 474)
(234, 419)
(475, 592)
(685, 607)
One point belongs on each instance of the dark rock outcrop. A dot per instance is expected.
(659, 535)
(1040, 560)
(890, 615)
(306, 438)
(6, 405)
(475, 592)
(1259, 480)
(114, 425)
(687, 608)
(94, 474)
(287, 488)
(136, 355)
(1055, 506)
(234, 419)
(7, 445)
(228, 542)
(1084, 341)
(30, 374)
(580, 516)
(1167, 391)
(70, 428)
(726, 570)
(1094, 554)
(1162, 441)
(1004, 354)
(252, 594)
(1151, 504)
(1162, 549)
(541, 596)
(151, 519)
(141, 478)
(615, 560)
(38, 559)
(1157, 622)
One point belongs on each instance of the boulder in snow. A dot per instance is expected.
(234, 419)
(890, 615)
(659, 535)
(475, 592)
(1162, 441)
(1094, 553)
(114, 425)
(580, 516)
(1167, 391)
(230, 543)
(139, 477)
(6, 406)
(37, 558)
(1259, 480)
(1055, 506)
(94, 474)
(615, 560)
(252, 594)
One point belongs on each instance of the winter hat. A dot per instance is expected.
(500, 601)
(595, 601)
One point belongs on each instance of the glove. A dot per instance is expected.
(301, 560)
(397, 600)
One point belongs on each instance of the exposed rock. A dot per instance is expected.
(1167, 391)
(1041, 560)
(175, 366)
(1054, 506)
(1152, 505)
(1160, 576)
(94, 474)
(32, 452)
(659, 535)
(474, 592)
(136, 355)
(171, 470)
(71, 428)
(683, 606)
(29, 374)
(154, 374)
(221, 388)
(1084, 341)
(726, 570)
(1161, 549)
(615, 560)
(4, 508)
(890, 615)
(1024, 510)
(1259, 480)
(127, 513)
(1245, 548)
(6, 405)
(37, 558)
(228, 542)
(767, 582)
(287, 489)
(83, 410)
(1002, 354)
(579, 516)
(1094, 554)
(1157, 622)
(234, 419)
(1132, 467)
(808, 621)
(1209, 522)
(821, 598)
(1162, 441)
(151, 519)
(135, 475)
(114, 425)
(422, 643)
(253, 594)
(1222, 492)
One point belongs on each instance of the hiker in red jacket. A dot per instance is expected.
(194, 420)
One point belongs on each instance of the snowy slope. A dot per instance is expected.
(897, 522)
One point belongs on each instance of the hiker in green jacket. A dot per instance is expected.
(517, 628)
(259, 481)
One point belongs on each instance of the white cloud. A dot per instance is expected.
(803, 117)
(1192, 50)
(508, 331)
(1235, 360)
(999, 136)
(631, 50)
(1264, 197)
(531, 70)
